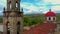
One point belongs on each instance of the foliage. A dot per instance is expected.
(34, 19)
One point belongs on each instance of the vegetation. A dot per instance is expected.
(34, 19)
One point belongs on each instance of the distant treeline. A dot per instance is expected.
(34, 19)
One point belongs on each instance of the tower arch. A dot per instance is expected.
(18, 27)
(9, 5)
(16, 4)
(8, 28)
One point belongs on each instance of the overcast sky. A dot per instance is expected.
(36, 6)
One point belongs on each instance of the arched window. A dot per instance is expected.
(10, 5)
(16, 4)
(18, 27)
(53, 18)
(49, 18)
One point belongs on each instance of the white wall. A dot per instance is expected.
(51, 18)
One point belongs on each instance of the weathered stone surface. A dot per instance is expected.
(12, 16)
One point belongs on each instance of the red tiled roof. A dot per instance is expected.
(50, 13)
(43, 28)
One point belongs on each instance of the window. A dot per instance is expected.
(49, 18)
(10, 5)
(16, 4)
(53, 18)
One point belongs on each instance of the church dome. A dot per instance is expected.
(50, 14)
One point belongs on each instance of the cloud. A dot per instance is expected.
(29, 7)
(53, 1)
(41, 5)
(1, 13)
(56, 8)
(36, 6)
(3, 2)
(1, 7)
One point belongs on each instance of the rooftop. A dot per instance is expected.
(43, 28)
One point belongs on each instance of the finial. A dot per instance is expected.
(4, 9)
(22, 9)
(50, 10)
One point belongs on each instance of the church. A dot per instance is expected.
(13, 20)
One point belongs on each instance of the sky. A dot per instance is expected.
(36, 6)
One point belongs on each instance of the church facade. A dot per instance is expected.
(13, 18)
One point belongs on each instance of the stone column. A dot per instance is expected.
(13, 5)
(21, 26)
(4, 25)
(13, 28)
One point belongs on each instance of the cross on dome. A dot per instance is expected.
(50, 10)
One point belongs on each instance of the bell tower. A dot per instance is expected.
(13, 18)
(13, 4)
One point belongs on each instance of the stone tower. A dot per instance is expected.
(13, 18)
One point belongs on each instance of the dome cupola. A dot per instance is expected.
(50, 16)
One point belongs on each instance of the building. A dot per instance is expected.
(47, 27)
(50, 16)
(13, 18)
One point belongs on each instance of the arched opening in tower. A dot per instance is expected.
(16, 4)
(18, 27)
(10, 5)
(7, 27)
